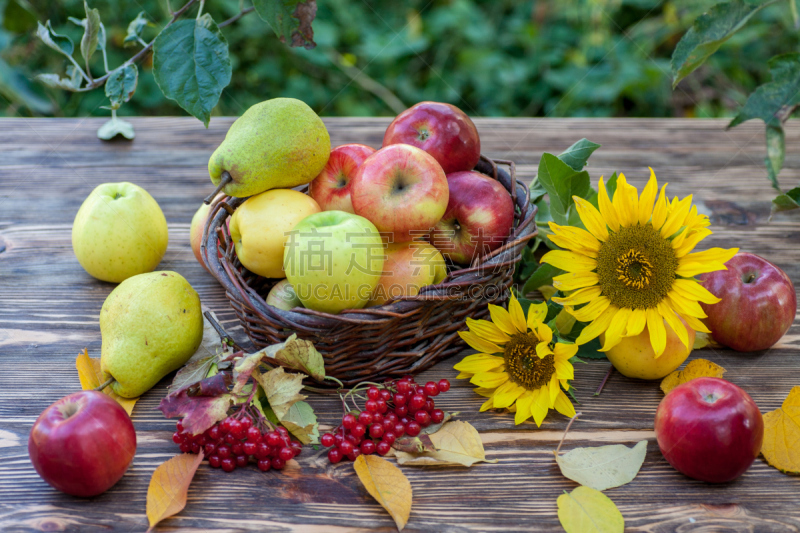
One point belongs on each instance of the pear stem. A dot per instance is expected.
(102, 386)
(224, 179)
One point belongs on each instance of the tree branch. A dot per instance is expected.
(236, 17)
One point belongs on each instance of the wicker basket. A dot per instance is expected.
(405, 336)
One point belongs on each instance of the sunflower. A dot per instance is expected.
(518, 366)
(633, 267)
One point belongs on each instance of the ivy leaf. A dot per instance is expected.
(116, 126)
(121, 85)
(781, 447)
(59, 43)
(199, 412)
(290, 20)
(301, 422)
(786, 201)
(577, 155)
(92, 377)
(282, 389)
(603, 467)
(91, 32)
(586, 510)
(135, 29)
(387, 484)
(301, 355)
(191, 65)
(169, 486)
(707, 34)
(697, 368)
(562, 182)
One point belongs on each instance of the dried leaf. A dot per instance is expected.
(281, 389)
(699, 368)
(704, 340)
(166, 495)
(586, 510)
(301, 422)
(216, 385)
(211, 343)
(457, 443)
(603, 467)
(194, 372)
(433, 428)
(92, 377)
(414, 445)
(301, 355)
(387, 484)
(199, 412)
(244, 368)
(781, 447)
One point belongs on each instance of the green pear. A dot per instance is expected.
(151, 324)
(277, 144)
(119, 232)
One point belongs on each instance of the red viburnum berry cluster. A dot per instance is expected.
(235, 442)
(391, 410)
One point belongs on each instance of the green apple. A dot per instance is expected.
(119, 232)
(334, 260)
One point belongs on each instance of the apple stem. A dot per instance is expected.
(603, 383)
(224, 179)
(102, 386)
(566, 430)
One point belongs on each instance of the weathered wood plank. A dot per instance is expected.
(49, 311)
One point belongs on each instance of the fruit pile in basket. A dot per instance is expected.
(375, 225)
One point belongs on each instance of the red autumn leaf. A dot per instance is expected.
(199, 412)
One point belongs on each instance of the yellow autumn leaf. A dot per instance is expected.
(586, 510)
(387, 484)
(699, 368)
(781, 447)
(456, 443)
(169, 486)
(91, 377)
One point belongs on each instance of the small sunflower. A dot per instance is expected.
(519, 367)
(633, 267)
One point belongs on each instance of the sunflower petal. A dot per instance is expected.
(553, 388)
(624, 202)
(616, 329)
(523, 407)
(507, 394)
(464, 375)
(695, 323)
(712, 255)
(660, 210)
(677, 217)
(580, 296)
(570, 244)
(692, 239)
(540, 406)
(674, 323)
(565, 351)
(606, 207)
(577, 239)
(501, 319)
(489, 379)
(543, 350)
(478, 343)
(569, 261)
(479, 365)
(575, 280)
(636, 322)
(488, 404)
(684, 305)
(590, 311)
(658, 333)
(591, 218)
(536, 314)
(564, 406)
(517, 314)
(693, 290)
(545, 333)
(564, 369)
(647, 198)
(598, 325)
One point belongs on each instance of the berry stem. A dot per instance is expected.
(564, 436)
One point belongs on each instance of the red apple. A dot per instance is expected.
(83, 443)
(402, 190)
(442, 130)
(758, 303)
(331, 189)
(479, 217)
(709, 429)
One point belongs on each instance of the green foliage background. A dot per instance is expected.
(490, 57)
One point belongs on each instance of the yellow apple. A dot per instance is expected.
(634, 356)
(260, 226)
(119, 232)
(408, 267)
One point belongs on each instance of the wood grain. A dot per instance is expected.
(49, 311)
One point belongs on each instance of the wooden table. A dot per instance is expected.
(49, 312)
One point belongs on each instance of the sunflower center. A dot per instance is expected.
(636, 267)
(524, 367)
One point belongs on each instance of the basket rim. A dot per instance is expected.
(505, 256)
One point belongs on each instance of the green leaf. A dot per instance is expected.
(577, 155)
(59, 43)
(18, 16)
(590, 350)
(16, 88)
(121, 85)
(301, 422)
(91, 32)
(603, 467)
(290, 20)
(776, 151)
(562, 182)
(542, 276)
(611, 185)
(115, 127)
(191, 65)
(262, 404)
(787, 201)
(707, 34)
(57, 82)
(795, 9)
(135, 29)
(586, 510)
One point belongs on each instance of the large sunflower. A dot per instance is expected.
(633, 267)
(519, 367)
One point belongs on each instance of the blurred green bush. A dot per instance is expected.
(373, 58)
